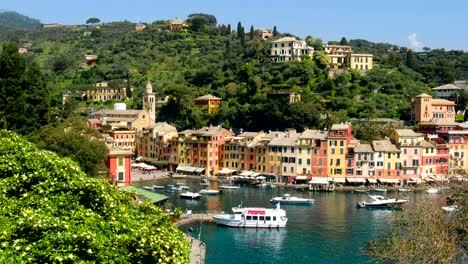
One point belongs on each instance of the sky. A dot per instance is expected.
(409, 23)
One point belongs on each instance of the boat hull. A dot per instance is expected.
(230, 222)
(291, 202)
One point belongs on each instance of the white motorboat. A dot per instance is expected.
(229, 187)
(209, 192)
(288, 199)
(361, 191)
(378, 201)
(190, 195)
(450, 208)
(380, 190)
(204, 182)
(253, 217)
(404, 190)
(148, 187)
(158, 187)
(432, 190)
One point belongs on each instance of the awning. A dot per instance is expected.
(226, 171)
(356, 180)
(372, 180)
(317, 180)
(341, 180)
(389, 180)
(199, 169)
(301, 177)
(246, 173)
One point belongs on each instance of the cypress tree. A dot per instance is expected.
(251, 32)
(275, 32)
(239, 28)
(343, 41)
(228, 30)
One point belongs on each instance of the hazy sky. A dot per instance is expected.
(410, 23)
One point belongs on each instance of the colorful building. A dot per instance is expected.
(409, 142)
(341, 57)
(426, 109)
(123, 139)
(209, 101)
(119, 165)
(338, 138)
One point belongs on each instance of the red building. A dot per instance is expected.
(319, 155)
(210, 101)
(119, 165)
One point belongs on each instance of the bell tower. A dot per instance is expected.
(149, 101)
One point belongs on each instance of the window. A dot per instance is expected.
(120, 161)
(331, 162)
(332, 151)
(121, 176)
(308, 161)
(300, 161)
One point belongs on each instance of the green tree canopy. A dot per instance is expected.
(93, 20)
(74, 139)
(51, 212)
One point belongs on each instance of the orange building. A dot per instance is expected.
(426, 109)
(119, 164)
(210, 101)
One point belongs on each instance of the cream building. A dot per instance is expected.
(290, 49)
(341, 57)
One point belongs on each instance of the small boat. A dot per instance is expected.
(450, 208)
(181, 186)
(361, 191)
(378, 201)
(190, 195)
(148, 187)
(229, 187)
(380, 190)
(404, 190)
(261, 185)
(204, 182)
(288, 199)
(253, 217)
(432, 190)
(157, 187)
(209, 192)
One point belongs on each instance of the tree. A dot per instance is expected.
(239, 29)
(228, 30)
(251, 33)
(275, 31)
(343, 41)
(74, 139)
(210, 19)
(423, 233)
(410, 58)
(24, 98)
(93, 20)
(52, 212)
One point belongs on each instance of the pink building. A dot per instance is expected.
(425, 109)
(319, 155)
(124, 139)
(409, 143)
(119, 165)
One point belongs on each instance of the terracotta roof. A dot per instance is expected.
(286, 39)
(207, 97)
(427, 144)
(363, 148)
(407, 133)
(442, 102)
(208, 131)
(340, 127)
(423, 95)
(446, 87)
(384, 146)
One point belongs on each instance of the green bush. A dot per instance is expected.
(51, 212)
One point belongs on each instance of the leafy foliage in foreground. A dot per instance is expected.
(51, 212)
(423, 233)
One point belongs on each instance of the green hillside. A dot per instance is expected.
(10, 19)
(210, 58)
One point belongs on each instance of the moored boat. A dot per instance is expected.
(378, 201)
(432, 190)
(229, 187)
(380, 190)
(253, 217)
(361, 191)
(190, 195)
(209, 192)
(288, 199)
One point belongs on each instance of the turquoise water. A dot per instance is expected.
(332, 230)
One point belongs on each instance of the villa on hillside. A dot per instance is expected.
(210, 101)
(178, 25)
(341, 57)
(290, 49)
(424, 108)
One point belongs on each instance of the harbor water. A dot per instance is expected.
(331, 230)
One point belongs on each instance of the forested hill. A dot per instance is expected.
(10, 19)
(234, 65)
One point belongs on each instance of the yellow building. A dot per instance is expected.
(290, 49)
(338, 139)
(102, 93)
(362, 62)
(341, 57)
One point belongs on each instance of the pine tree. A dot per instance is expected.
(242, 36)
(251, 34)
(275, 31)
(239, 28)
(343, 41)
(24, 98)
